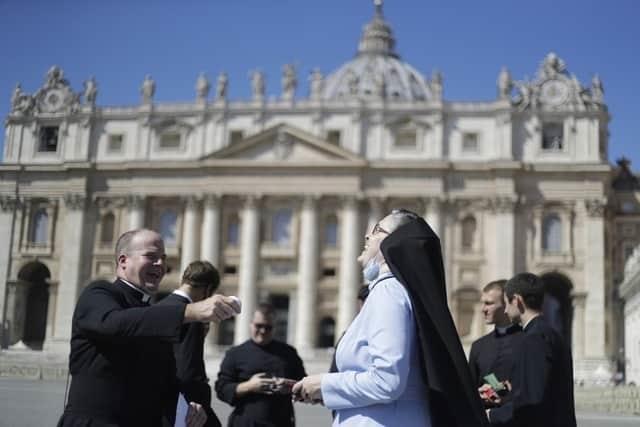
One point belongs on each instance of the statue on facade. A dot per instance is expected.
(597, 90)
(505, 84)
(436, 85)
(221, 86)
(148, 89)
(352, 82)
(15, 96)
(21, 103)
(257, 85)
(289, 82)
(525, 97)
(54, 76)
(552, 65)
(90, 91)
(202, 88)
(316, 84)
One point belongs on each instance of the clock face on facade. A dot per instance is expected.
(554, 92)
(53, 100)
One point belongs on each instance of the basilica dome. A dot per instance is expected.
(377, 71)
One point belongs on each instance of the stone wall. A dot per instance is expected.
(619, 400)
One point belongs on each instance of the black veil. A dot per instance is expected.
(414, 256)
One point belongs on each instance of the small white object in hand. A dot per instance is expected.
(237, 300)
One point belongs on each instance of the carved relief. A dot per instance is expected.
(8, 203)
(595, 207)
(75, 201)
(554, 88)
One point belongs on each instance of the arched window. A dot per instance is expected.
(40, 227)
(330, 231)
(327, 332)
(169, 227)
(552, 233)
(108, 228)
(281, 227)
(468, 233)
(233, 231)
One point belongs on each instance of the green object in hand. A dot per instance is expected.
(492, 380)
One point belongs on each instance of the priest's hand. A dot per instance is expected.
(213, 309)
(258, 383)
(196, 415)
(308, 389)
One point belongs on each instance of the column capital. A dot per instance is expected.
(310, 199)
(8, 203)
(75, 201)
(211, 198)
(376, 202)
(595, 207)
(433, 202)
(135, 201)
(252, 200)
(110, 202)
(503, 204)
(191, 201)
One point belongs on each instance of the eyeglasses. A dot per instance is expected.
(264, 326)
(378, 229)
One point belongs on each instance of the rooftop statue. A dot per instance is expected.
(148, 89)
(202, 88)
(221, 86)
(90, 91)
(289, 82)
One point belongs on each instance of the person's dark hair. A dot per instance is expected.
(266, 309)
(529, 286)
(401, 217)
(495, 285)
(201, 274)
(363, 293)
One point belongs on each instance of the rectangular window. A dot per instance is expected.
(235, 136)
(406, 138)
(469, 142)
(552, 136)
(333, 137)
(115, 143)
(48, 141)
(170, 141)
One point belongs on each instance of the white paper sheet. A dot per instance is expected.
(181, 412)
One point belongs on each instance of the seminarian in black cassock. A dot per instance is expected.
(542, 377)
(121, 362)
(241, 363)
(494, 353)
(199, 280)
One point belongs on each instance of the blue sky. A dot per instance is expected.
(120, 41)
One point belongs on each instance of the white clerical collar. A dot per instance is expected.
(145, 296)
(502, 329)
(183, 294)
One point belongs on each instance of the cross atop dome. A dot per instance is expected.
(377, 36)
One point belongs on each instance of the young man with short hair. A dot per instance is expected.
(542, 379)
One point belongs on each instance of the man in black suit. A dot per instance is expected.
(199, 280)
(494, 352)
(542, 378)
(121, 361)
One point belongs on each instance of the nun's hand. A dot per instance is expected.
(308, 389)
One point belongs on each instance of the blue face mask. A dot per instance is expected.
(371, 271)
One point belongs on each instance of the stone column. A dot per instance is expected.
(350, 270)
(190, 242)
(248, 274)
(505, 226)
(577, 334)
(210, 251)
(432, 215)
(307, 275)
(7, 214)
(594, 279)
(73, 256)
(375, 212)
(210, 244)
(136, 211)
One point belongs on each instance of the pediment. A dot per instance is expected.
(284, 143)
